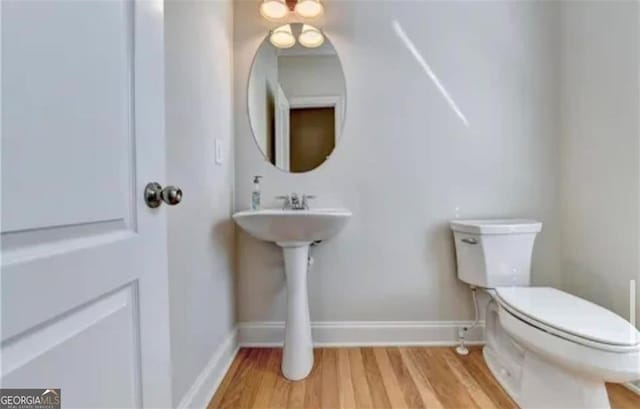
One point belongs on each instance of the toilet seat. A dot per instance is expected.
(570, 317)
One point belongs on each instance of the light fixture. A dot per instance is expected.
(310, 36)
(282, 37)
(274, 9)
(308, 8)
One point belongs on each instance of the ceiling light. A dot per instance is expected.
(282, 37)
(310, 36)
(308, 8)
(274, 9)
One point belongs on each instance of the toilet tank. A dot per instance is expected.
(495, 253)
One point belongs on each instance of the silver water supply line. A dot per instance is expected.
(461, 349)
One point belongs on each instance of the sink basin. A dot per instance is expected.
(294, 231)
(292, 226)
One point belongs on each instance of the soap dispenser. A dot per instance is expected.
(255, 194)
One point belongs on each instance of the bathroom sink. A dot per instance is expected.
(293, 226)
(294, 231)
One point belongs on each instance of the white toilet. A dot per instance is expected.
(547, 348)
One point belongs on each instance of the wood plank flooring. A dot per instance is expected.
(372, 378)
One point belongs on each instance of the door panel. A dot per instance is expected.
(35, 358)
(312, 137)
(71, 64)
(84, 275)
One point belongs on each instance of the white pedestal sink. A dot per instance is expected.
(294, 231)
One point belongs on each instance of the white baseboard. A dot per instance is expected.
(633, 386)
(205, 385)
(363, 333)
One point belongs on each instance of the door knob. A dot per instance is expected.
(154, 195)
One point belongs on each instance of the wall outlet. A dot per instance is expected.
(219, 151)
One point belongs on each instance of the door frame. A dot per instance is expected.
(282, 137)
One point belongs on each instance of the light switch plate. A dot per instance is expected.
(219, 156)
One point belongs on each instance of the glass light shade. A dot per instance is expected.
(308, 8)
(282, 37)
(310, 36)
(274, 9)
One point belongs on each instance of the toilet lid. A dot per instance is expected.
(569, 314)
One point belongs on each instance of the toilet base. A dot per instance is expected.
(502, 375)
(545, 385)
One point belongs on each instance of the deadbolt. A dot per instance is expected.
(154, 195)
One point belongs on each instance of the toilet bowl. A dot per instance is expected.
(547, 348)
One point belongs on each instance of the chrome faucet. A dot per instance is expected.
(293, 201)
(305, 201)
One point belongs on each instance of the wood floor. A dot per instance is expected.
(415, 377)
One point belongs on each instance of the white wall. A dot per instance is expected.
(407, 163)
(600, 150)
(199, 99)
(302, 76)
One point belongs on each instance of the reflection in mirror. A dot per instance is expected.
(296, 99)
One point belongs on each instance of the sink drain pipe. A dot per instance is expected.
(310, 259)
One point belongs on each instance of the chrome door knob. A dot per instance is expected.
(154, 195)
(171, 195)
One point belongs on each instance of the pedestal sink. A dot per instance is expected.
(294, 231)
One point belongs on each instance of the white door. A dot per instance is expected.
(282, 129)
(84, 265)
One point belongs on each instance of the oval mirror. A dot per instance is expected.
(296, 99)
